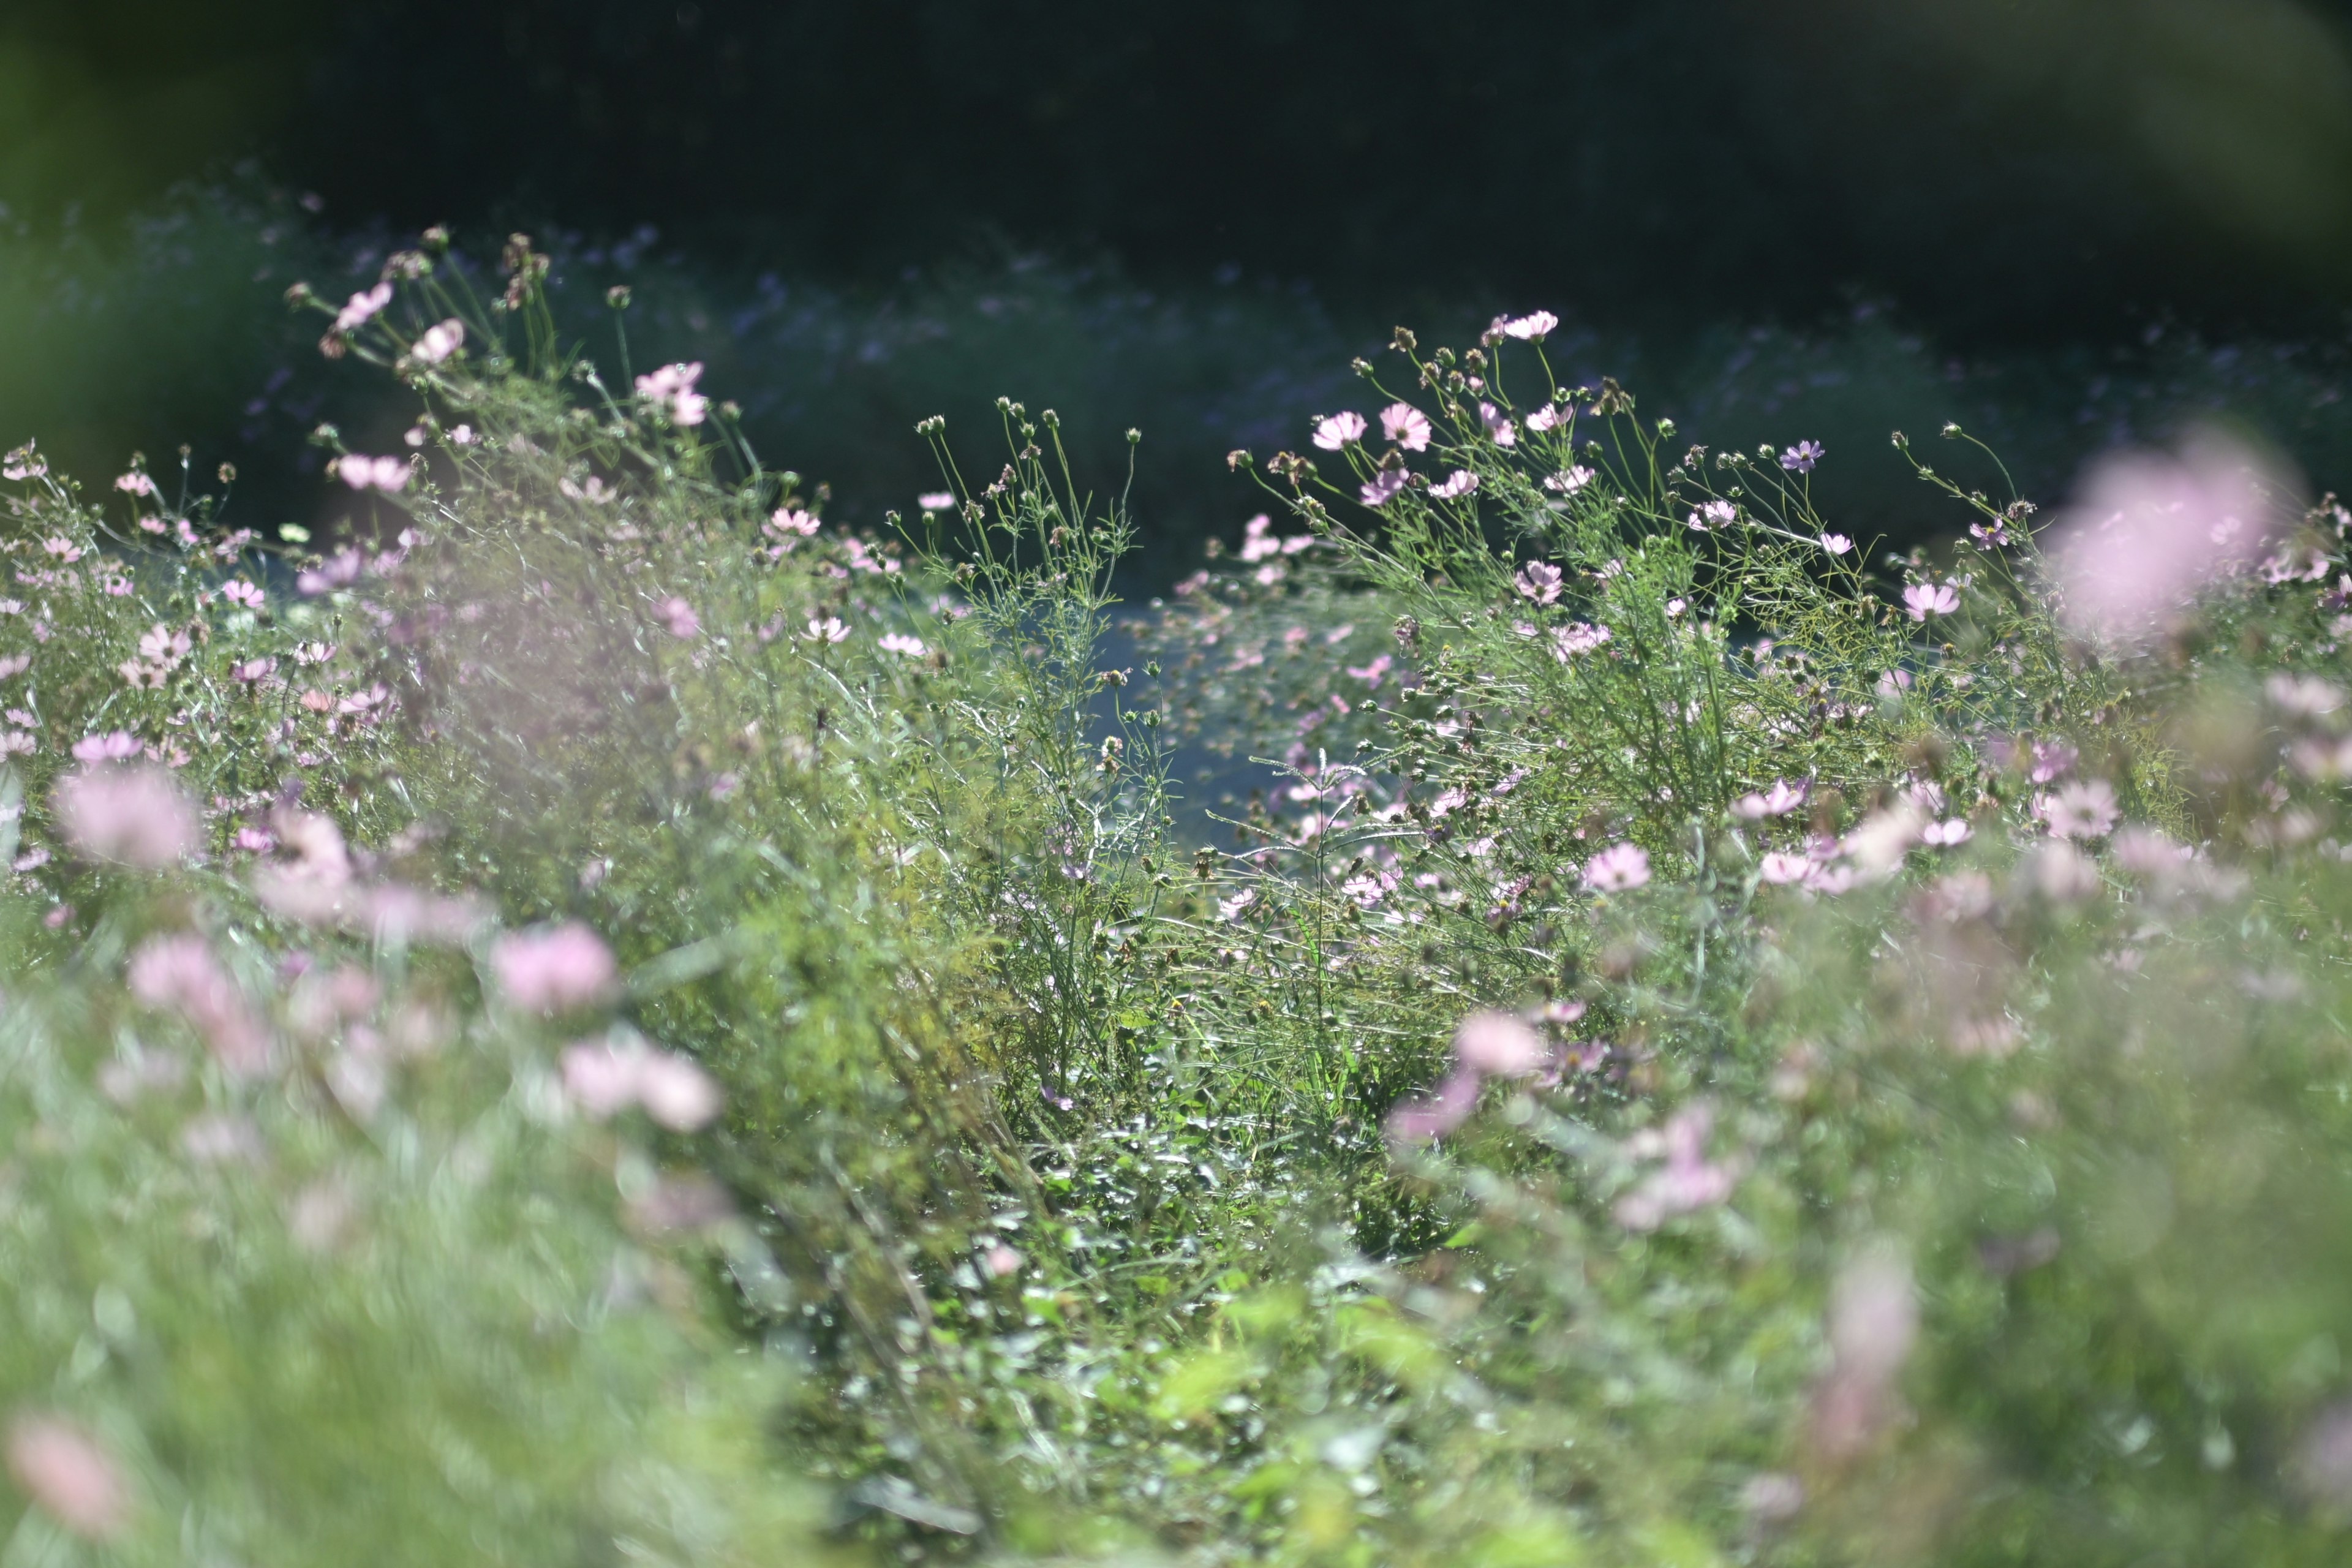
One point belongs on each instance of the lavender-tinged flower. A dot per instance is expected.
(72, 1479)
(1539, 581)
(1618, 868)
(386, 474)
(1566, 642)
(361, 308)
(1405, 426)
(179, 974)
(130, 816)
(1783, 798)
(1801, 458)
(1781, 868)
(1924, 599)
(2084, 810)
(1713, 515)
(2154, 531)
(553, 969)
(438, 343)
(1339, 430)
(1461, 482)
(1498, 424)
(900, 643)
(1836, 543)
(680, 617)
(1569, 481)
(670, 391)
(1382, 487)
(1686, 1182)
(1533, 327)
(1498, 1045)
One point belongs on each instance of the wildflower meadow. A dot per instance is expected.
(594, 1013)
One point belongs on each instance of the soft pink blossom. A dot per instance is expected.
(1498, 1045)
(1783, 798)
(1381, 488)
(1924, 599)
(2153, 530)
(900, 643)
(1570, 480)
(551, 969)
(1406, 426)
(670, 391)
(1714, 514)
(936, 500)
(2084, 810)
(130, 816)
(438, 343)
(237, 591)
(1535, 326)
(361, 308)
(1873, 1323)
(179, 974)
(1686, 1182)
(1836, 543)
(1566, 642)
(69, 1474)
(604, 1078)
(1002, 1261)
(1618, 868)
(679, 617)
(1498, 424)
(1339, 430)
(1539, 581)
(1781, 868)
(135, 484)
(831, 629)
(363, 473)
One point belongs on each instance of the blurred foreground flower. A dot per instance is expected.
(65, 1471)
(132, 816)
(2151, 531)
(553, 969)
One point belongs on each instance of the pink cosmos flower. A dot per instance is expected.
(1873, 1321)
(1618, 868)
(1836, 543)
(14, 664)
(1546, 418)
(788, 520)
(1539, 581)
(1801, 458)
(936, 500)
(1713, 515)
(438, 343)
(670, 391)
(1406, 426)
(680, 617)
(1535, 326)
(361, 308)
(1461, 483)
(1687, 1180)
(1002, 1261)
(69, 1476)
(1339, 430)
(1382, 487)
(23, 464)
(179, 974)
(1781, 868)
(1566, 642)
(2084, 810)
(1924, 599)
(552, 969)
(1783, 798)
(604, 1078)
(832, 629)
(1371, 674)
(900, 643)
(1498, 424)
(114, 746)
(237, 591)
(1569, 481)
(130, 816)
(135, 484)
(2301, 696)
(1498, 1045)
(362, 473)
(1257, 539)
(2153, 530)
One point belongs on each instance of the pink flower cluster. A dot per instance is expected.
(604, 1078)
(126, 816)
(179, 974)
(669, 392)
(553, 969)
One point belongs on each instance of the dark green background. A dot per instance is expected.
(2044, 217)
